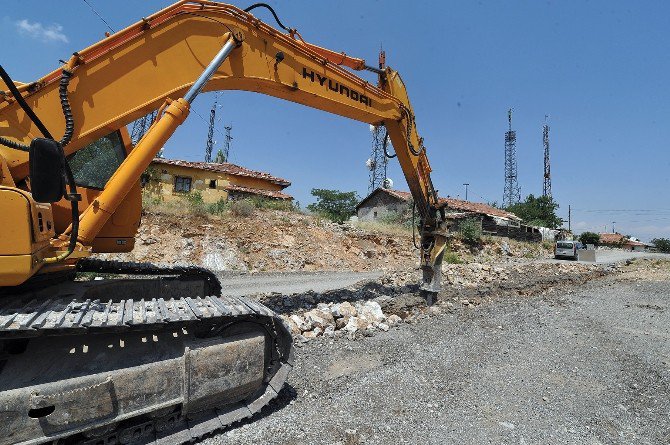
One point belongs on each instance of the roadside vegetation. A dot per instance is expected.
(537, 211)
(661, 244)
(334, 205)
(589, 238)
(193, 204)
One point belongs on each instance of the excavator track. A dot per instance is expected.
(124, 361)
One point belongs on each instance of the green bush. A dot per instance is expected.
(662, 244)
(452, 258)
(470, 230)
(243, 207)
(589, 238)
(219, 207)
(335, 205)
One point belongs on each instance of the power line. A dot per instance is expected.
(99, 16)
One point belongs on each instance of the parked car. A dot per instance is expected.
(567, 249)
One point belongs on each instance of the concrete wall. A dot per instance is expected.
(163, 179)
(379, 205)
(521, 233)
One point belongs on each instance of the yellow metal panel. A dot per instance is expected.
(16, 221)
(16, 269)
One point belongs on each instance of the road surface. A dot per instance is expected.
(290, 282)
(590, 365)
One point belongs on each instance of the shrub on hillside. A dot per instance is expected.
(243, 207)
(335, 205)
(470, 230)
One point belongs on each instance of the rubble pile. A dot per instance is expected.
(377, 306)
(338, 319)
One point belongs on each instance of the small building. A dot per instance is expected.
(621, 241)
(172, 178)
(382, 202)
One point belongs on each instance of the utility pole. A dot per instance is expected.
(569, 218)
(466, 190)
(512, 194)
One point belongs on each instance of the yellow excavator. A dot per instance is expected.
(153, 354)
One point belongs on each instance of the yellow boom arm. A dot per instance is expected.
(159, 59)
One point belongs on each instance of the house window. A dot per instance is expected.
(212, 183)
(145, 179)
(182, 184)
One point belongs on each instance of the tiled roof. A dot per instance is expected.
(611, 238)
(226, 167)
(452, 204)
(269, 193)
(478, 207)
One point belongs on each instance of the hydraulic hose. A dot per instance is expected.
(385, 145)
(72, 196)
(274, 14)
(65, 105)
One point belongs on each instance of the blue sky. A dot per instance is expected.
(599, 69)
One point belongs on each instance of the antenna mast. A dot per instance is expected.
(210, 134)
(141, 126)
(512, 194)
(378, 163)
(546, 188)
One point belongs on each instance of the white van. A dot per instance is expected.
(567, 249)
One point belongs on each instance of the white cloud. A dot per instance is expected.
(51, 33)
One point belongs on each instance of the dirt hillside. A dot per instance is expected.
(274, 240)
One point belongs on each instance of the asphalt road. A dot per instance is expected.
(590, 365)
(616, 256)
(291, 282)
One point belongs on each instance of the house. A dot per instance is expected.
(382, 202)
(172, 178)
(619, 240)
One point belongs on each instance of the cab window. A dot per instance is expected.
(93, 165)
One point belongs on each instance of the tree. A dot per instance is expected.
(335, 205)
(662, 244)
(537, 211)
(589, 238)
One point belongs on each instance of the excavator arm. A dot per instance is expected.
(166, 59)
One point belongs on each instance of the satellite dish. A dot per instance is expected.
(372, 128)
(370, 164)
(388, 183)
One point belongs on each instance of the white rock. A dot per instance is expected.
(393, 319)
(383, 327)
(293, 327)
(329, 331)
(356, 324)
(344, 309)
(300, 322)
(319, 318)
(371, 311)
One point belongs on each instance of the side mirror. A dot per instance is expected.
(47, 179)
